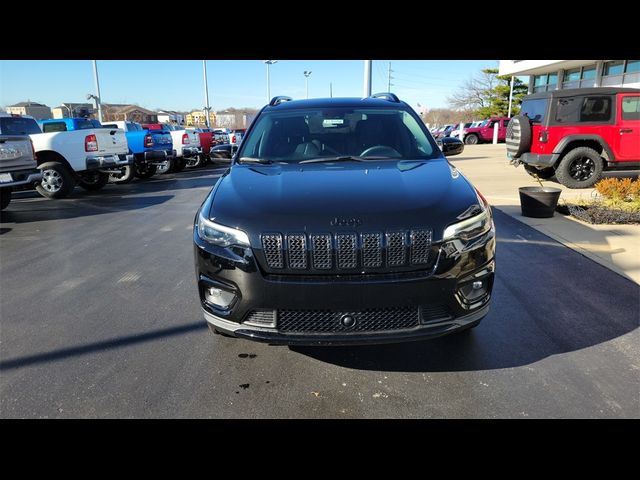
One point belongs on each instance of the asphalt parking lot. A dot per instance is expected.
(100, 318)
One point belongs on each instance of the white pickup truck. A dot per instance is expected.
(85, 157)
(186, 143)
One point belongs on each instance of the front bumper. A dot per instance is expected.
(22, 177)
(237, 271)
(108, 162)
(191, 151)
(273, 337)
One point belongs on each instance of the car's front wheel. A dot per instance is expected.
(471, 139)
(580, 168)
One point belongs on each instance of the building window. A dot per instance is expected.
(580, 77)
(621, 72)
(546, 82)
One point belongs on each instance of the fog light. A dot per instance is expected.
(218, 297)
(473, 291)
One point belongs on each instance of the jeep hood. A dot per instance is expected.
(363, 196)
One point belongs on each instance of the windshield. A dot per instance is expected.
(296, 135)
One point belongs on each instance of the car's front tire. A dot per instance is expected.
(580, 168)
(471, 139)
(57, 181)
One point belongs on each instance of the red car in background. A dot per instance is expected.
(207, 141)
(484, 132)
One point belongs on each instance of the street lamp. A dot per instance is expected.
(96, 104)
(268, 63)
(306, 74)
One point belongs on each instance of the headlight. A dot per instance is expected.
(219, 234)
(460, 236)
(470, 228)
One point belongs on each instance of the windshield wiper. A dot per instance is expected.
(345, 158)
(255, 160)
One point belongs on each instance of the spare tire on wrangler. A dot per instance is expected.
(518, 137)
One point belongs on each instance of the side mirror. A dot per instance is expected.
(452, 148)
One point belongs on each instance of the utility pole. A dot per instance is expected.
(206, 94)
(331, 89)
(389, 80)
(367, 79)
(510, 96)
(269, 63)
(98, 99)
(306, 74)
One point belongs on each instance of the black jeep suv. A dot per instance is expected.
(341, 222)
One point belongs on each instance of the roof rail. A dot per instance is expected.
(392, 97)
(278, 100)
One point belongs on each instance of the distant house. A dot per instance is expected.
(234, 120)
(71, 110)
(198, 118)
(113, 112)
(170, 116)
(36, 110)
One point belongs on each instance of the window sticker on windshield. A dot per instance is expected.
(332, 122)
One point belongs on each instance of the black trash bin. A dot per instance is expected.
(539, 202)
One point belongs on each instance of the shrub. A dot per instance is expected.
(619, 189)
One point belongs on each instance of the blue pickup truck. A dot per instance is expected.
(153, 149)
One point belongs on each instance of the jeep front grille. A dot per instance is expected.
(272, 247)
(321, 251)
(347, 251)
(328, 321)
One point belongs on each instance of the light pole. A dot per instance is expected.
(97, 99)
(269, 63)
(510, 96)
(367, 78)
(206, 94)
(307, 74)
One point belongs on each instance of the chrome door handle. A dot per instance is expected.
(626, 130)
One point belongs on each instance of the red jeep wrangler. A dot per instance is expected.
(484, 132)
(576, 134)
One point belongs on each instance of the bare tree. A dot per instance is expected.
(442, 116)
(476, 92)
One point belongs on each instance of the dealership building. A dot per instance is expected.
(559, 74)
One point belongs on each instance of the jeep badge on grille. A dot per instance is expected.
(345, 222)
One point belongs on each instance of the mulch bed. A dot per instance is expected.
(598, 214)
